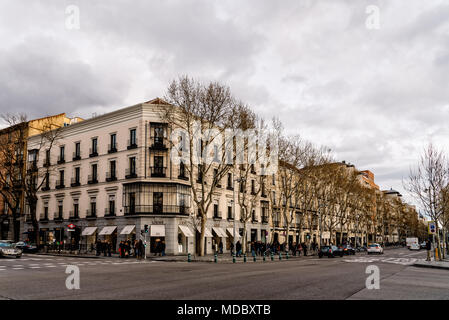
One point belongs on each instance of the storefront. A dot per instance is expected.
(109, 234)
(157, 238)
(185, 239)
(129, 233)
(90, 234)
(219, 236)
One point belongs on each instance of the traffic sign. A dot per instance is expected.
(71, 226)
(432, 227)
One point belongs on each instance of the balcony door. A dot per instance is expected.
(158, 200)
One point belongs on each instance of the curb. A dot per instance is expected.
(69, 255)
(430, 266)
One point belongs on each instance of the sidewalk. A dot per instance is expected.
(444, 264)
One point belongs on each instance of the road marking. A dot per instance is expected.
(35, 267)
(50, 266)
(17, 268)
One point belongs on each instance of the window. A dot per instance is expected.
(200, 173)
(111, 205)
(274, 198)
(61, 155)
(158, 201)
(46, 212)
(94, 172)
(216, 213)
(112, 169)
(113, 141)
(229, 212)
(47, 181)
(132, 202)
(94, 148)
(60, 210)
(132, 165)
(61, 179)
(230, 186)
(93, 208)
(132, 137)
(182, 170)
(77, 175)
(77, 150)
(76, 209)
(47, 157)
(253, 187)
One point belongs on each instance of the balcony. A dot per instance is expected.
(158, 209)
(47, 163)
(158, 144)
(45, 188)
(58, 217)
(93, 153)
(254, 218)
(75, 182)
(230, 187)
(264, 219)
(183, 177)
(109, 213)
(73, 216)
(76, 156)
(130, 174)
(91, 214)
(43, 218)
(276, 223)
(132, 144)
(112, 148)
(92, 179)
(158, 172)
(111, 176)
(60, 185)
(61, 160)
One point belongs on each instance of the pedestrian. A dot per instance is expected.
(104, 247)
(428, 248)
(136, 249)
(304, 248)
(220, 247)
(253, 249)
(294, 249)
(238, 248)
(141, 249)
(232, 248)
(98, 247)
(109, 246)
(163, 248)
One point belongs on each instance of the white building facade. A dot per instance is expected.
(111, 175)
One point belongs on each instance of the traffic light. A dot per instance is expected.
(145, 228)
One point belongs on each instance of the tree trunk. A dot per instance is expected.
(202, 236)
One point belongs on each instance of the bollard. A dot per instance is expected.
(233, 258)
(272, 256)
(280, 255)
(286, 255)
(215, 258)
(264, 256)
(189, 258)
(244, 257)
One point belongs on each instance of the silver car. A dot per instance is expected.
(9, 250)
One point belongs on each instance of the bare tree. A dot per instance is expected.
(203, 112)
(426, 184)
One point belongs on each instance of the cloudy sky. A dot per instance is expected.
(376, 96)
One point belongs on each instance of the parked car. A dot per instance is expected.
(375, 248)
(360, 249)
(26, 247)
(330, 251)
(8, 250)
(347, 249)
(414, 246)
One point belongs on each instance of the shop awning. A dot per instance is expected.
(106, 231)
(88, 231)
(186, 231)
(220, 232)
(207, 232)
(231, 232)
(128, 229)
(157, 230)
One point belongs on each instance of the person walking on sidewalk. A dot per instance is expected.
(238, 248)
(428, 248)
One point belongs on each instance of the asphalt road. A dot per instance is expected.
(44, 277)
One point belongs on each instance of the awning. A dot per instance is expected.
(186, 231)
(231, 232)
(128, 229)
(107, 230)
(207, 232)
(157, 230)
(88, 231)
(220, 232)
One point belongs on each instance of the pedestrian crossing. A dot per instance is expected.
(49, 262)
(395, 260)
